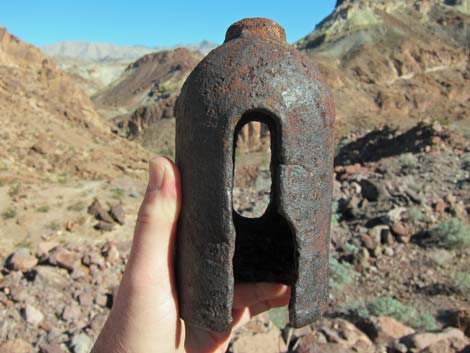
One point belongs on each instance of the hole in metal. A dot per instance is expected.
(251, 193)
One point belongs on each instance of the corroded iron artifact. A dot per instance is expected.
(254, 76)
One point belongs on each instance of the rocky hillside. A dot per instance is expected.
(147, 92)
(399, 270)
(49, 126)
(94, 66)
(395, 59)
(387, 60)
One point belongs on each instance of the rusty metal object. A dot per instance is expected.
(254, 76)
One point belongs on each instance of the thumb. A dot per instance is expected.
(151, 258)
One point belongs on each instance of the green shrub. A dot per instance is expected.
(350, 248)
(425, 322)
(462, 281)
(43, 209)
(117, 192)
(466, 163)
(279, 317)
(14, 190)
(9, 213)
(414, 215)
(452, 233)
(77, 206)
(63, 178)
(335, 214)
(55, 226)
(388, 306)
(407, 161)
(341, 274)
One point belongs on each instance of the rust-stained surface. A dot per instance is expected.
(254, 76)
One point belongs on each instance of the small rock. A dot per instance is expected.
(356, 187)
(402, 232)
(396, 347)
(308, 345)
(50, 276)
(344, 333)
(117, 213)
(71, 313)
(16, 346)
(21, 260)
(104, 226)
(111, 253)
(440, 206)
(101, 299)
(71, 225)
(421, 341)
(64, 258)
(436, 126)
(85, 299)
(18, 293)
(414, 196)
(269, 342)
(379, 233)
(362, 258)
(32, 315)
(43, 147)
(451, 199)
(97, 210)
(452, 345)
(385, 329)
(134, 194)
(93, 259)
(44, 247)
(395, 215)
(81, 343)
(387, 237)
(50, 348)
(389, 251)
(369, 243)
(462, 320)
(57, 336)
(79, 272)
(355, 169)
(459, 211)
(372, 190)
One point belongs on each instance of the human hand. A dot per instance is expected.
(145, 317)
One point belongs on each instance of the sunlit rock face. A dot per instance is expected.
(395, 59)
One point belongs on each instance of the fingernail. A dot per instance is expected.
(156, 174)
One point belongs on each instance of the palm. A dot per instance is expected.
(145, 316)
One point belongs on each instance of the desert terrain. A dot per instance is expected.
(80, 121)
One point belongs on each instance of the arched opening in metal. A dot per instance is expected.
(252, 174)
(265, 243)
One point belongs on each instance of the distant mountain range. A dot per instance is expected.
(108, 52)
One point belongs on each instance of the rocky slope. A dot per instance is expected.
(146, 93)
(96, 65)
(399, 280)
(395, 59)
(49, 126)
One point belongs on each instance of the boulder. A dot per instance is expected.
(32, 315)
(384, 329)
(21, 260)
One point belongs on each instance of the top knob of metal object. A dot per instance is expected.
(256, 28)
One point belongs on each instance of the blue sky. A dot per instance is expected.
(151, 22)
